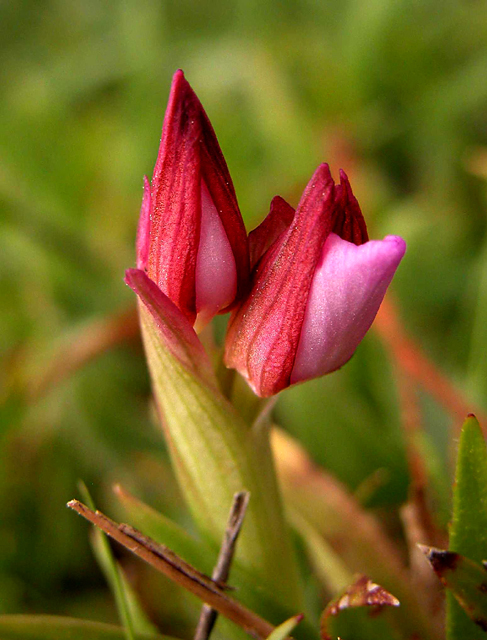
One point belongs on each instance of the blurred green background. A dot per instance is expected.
(395, 92)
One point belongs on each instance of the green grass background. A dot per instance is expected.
(395, 92)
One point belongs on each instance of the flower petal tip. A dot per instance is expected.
(276, 222)
(399, 243)
(322, 177)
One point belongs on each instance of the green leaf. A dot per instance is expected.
(468, 532)
(285, 628)
(129, 609)
(24, 627)
(466, 579)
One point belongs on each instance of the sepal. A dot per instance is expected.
(277, 221)
(174, 331)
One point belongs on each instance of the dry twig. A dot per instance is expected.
(221, 571)
(176, 569)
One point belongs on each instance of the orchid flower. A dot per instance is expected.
(191, 239)
(317, 284)
(193, 262)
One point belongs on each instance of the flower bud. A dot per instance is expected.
(191, 238)
(316, 288)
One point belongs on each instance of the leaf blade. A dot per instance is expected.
(284, 629)
(468, 531)
(45, 627)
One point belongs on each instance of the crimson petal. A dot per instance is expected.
(189, 157)
(264, 332)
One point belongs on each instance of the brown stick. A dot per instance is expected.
(168, 563)
(221, 571)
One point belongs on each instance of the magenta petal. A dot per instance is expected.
(174, 329)
(348, 287)
(143, 229)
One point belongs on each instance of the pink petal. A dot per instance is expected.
(216, 273)
(264, 332)
(175, 332)
(215, 175)
(143, 228)
(348, 287)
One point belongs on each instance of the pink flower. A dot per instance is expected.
(191, 239)
(317, 285)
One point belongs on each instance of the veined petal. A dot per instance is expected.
(143, 228)
(348, 287)
(349, 222)
(264, 332)
(176, 186)
(276, 222)
(174, 330)
(190, 161)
